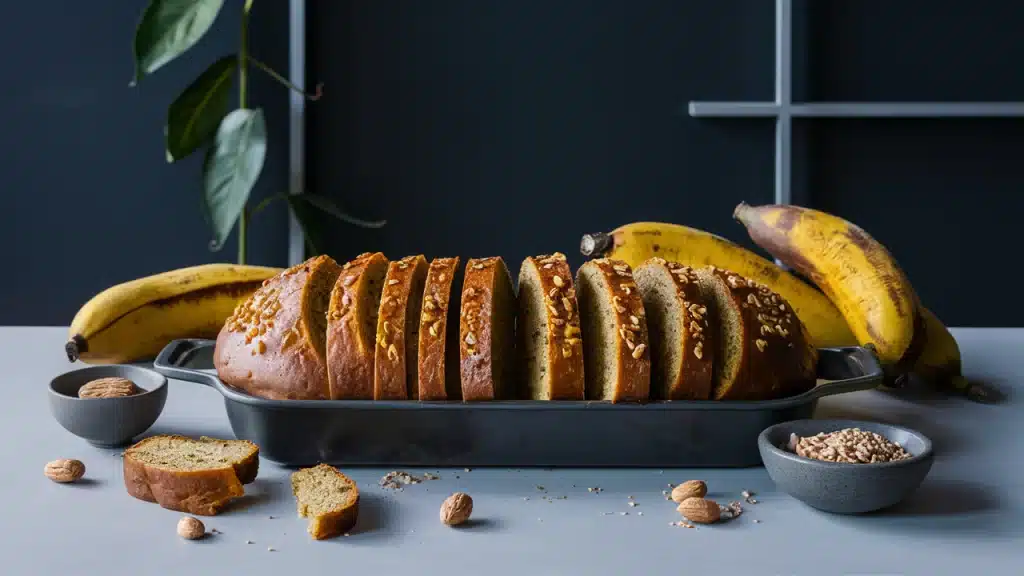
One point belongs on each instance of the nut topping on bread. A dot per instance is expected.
(395, 361)
(487, 331)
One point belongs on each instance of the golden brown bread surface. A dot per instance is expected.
(194, 476)
(549, 330)
(328, 498)
(273, 346)
(487, 331)
(398, 321)
(352, 326)
(616, 349)
(763, 351)
(438, 351)
(681, 335)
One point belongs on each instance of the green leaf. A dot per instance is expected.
(193, 117)
(167, 29)
(232, 166)
(327, 206)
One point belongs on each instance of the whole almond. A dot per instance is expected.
(191, 528)
(689, 489)
(456, 509)
(113, 387)
(64, 470)
(700, 510)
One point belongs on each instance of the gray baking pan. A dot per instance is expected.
(513, 433)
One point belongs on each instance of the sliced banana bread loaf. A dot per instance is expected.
(273, 345)
(398, 325)
(487, 324)
(328, 498)
(616, 351)
(439, 333)
(682, 352)
(194, 476)
(352, 326)
(763, 351)
(549, 330)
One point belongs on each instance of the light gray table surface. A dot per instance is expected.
(967, 518)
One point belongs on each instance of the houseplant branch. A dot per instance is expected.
(200, 118)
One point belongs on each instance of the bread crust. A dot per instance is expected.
(435, 374)
(200, 492)
(695, 378)
(350, 349)
(564, 377)
(632, 382)
(476, 363)
(777, 359)
(264, 348)
(336, 522)
(402, 295)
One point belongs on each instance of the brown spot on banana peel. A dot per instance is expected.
(895, 282)
(776, 243)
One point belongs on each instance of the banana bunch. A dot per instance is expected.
(870, 289)
(636, 242)
(135, 320)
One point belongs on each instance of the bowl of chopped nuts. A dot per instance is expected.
(108, 405)
(845, 466)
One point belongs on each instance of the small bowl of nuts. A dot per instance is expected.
(845, 466)
(108, 405)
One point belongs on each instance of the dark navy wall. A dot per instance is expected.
(481, 127)
(88, 199)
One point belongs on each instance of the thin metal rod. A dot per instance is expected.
(859, 110)
(783, 99)
(296, 124)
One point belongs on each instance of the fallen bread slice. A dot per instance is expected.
(438, 369)
(194, 476)
(549, 329)
(487, 327)
(398, 325)
(616, 351)
(763, 351)
(328, 498)
(681, 337)
(352, 326)
(273, 345)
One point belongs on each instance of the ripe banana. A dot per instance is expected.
(939, 361)
(136, 319)
(856, 272)
(636, 242)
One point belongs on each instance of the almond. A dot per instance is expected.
(700, 510)
(689, 489)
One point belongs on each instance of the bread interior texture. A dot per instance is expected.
(185, 454)
(503, 329)
(320, 490)
(318, 299)
(369, 306)
(598, 323)
(729, 336)
(664, 324)
(533, 331)
(413, 307)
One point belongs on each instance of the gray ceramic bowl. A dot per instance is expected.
(839, 487)
(107, 422)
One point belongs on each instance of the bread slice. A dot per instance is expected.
(549, 333)
(328, 498)
(352, 326)
(398, 325)
(438, 369)
(194, 476)
(487, 350)
(682, 350)
(274, 344)
(616, 351)
(763, 349)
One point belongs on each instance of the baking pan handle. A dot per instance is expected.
(852, 369)
(171, 360)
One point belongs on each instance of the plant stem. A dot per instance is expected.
(315, 95)
(243, 80)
